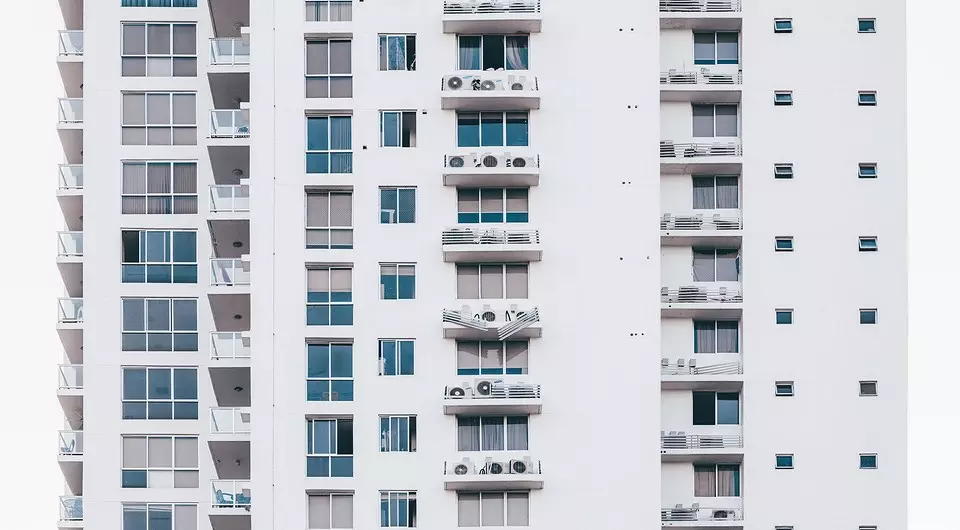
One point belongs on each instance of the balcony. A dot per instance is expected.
(70, 458)
(227, 345)
(481, 90)
(71, 379)
(494, 168)
(230, 124)
(721, 156)
(484, 245)
(69, 247)
(70, 180)
(229, 272)
(230, 201)
(680, 446)
(716, 84)
(71, 46)
(724, 372)
(70, 313)
(692, 515)
(229, 53)
(71, 511)
(70, 114)
(486, 322)
(489, 395)
(705, 300)
(492, 16)
(501, 472)
(229, 496)
(700, 14)
(707, 227)
(228, 423)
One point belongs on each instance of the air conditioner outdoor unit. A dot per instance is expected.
(453, 82)
(483, 387)
(521, 467)
(489, 84)
(464, 467)
(459, 161)
(490, 160)
(459, 391)
(495, 468)
(519, 82)
(520, 161)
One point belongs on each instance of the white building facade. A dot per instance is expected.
(334, 264)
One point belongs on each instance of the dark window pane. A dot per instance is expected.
(185, 411)
(318, 466)
(160, 410)
(186, 342)
(135, 411)
(133, 342)
(185, 383)
(134, 383)
(704, 408)
(341, 360)
(728, 408)
(341, 390)
(341, 315)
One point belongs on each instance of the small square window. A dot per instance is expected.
(784, 316)
(868, 244)
(867, 25)
(868, 316)
(783, 25)
(784, 388)
(868, 388)
(868, 461)
(867, 171)
(783, 171)
(784, 461)
(867, 99)
(784, 244)
(783, 97)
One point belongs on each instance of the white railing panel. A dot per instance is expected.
(669, 149)
(680, 440)
(70, 176)
(230, 420)
(69, 244)
(70, 443)
(229, 123)
(474, 81)
(71, 110)
(679, 77)
(729, 220)
(699, 6)
(229, 51)
(489, 236)
(492, 388)
(470, 7)
(229, 345)
(700, 513)
(700, 295)
(692, 368)
(229, 198)
(70, 376)
(230, 493)
(70, 310)
(71, 42)
(228, 271)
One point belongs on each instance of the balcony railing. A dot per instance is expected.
(699, 6)
(681, 440)
(71, 110)
(489, 236)
(229, 123)
(508, 465)
(230, 493)
(71, 42)
(491, 161)
(514, 320)
(697, 221)
(71, 508)
(329, 11)
(70, 310)
(71, 443)
(230, 420)
(681, 367)
(490, 388)
(490, 6)
(229, 51)
(228, 345)
(70, 176)
(69, 244)
(70, 376)
(674, 77)
(229, 198)
(228, 271)
(669, 149)
(487, 82)
(696, 512)
(700, 295)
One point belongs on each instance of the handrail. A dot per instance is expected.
(495, 389)
(71, 443)
(71, 42)
(70, 176)
(489, 236)
(682, 440)
(71, 110)
(731, 368)
(230, 493)
(70, 376)
(228, 271)
(69, 244)
(508, 464)
(229, 198)
(669, 149)
(697, 221)
(229, 123)
(491, 160)
(700, 295)
(228, 345)
(490, 6)
(70, 310)
(71, 508)
(230, 420)
(699, 6)
(675, 77)
(486, 319)
(229, 51)
(494, 81)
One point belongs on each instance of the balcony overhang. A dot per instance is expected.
(717, 21)
(487, 482)
(497, 23)
(718, 383)
(670, 92)
(453, 407)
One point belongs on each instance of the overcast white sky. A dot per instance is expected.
(30, 480)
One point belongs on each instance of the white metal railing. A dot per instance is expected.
(699, 6)
(692, 368)
(229, 51)
(229, 345)
(514, 320)
(681, 440)
(228, 271)
(489, 82)
(70, 176)
(492, 388)
(492, 465)
(71, 508)
(70, 376)
(71, 443)
(696, 512)
(71, 42)
(229, 198)
(491, 160)
(230, 420)
(230, 493)
(69, 244)
(470, 7)
(697, 221)
(489, 236)
(669, 149)
(700, 295)
(70, 310)
(229, 123)
(674, 77)
(71, 110)
(329, 11)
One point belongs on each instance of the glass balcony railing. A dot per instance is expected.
(71, 443)
(71, 376)
(229, 52)
(230, 420)
(229, 345)
(71, 508)
(70, 177)
(229, 123)
(71, 110)
(229, 198)
(71, 42)
(230, 493)
(228, 271)
(69, 244)
(70, 310)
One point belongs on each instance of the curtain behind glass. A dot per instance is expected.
(728, 481)
(727, 120)
(704, 265)
(703, 121)
(728, 192)
(704, 47)
(517, 53)
(727, 336)
(703, 194)
(469, 52)
(396, 52)
(492, 433)
(516, 433)
(727, 265)
(468, 433)
(704, 336)
(704, 481)
(728, 45)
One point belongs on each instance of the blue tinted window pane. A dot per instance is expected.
(784, 461)
(468, 129)
(318, 296)
(341, 360)
(340, 133)
(401, 438)
(135, 383)
(407, 287)
(185, 315)
(133, 274)
(784, 317)
(341, 466)
(161, 410)
(160, 342)
(135, 411)
(158, 383)
(491, 217)
(728, 408)
(388, 286)
(341, 315)
(185, 383)
(341, 390)
(406, 357)
(318, 360)
(318, 466)
(318, 390)
(401, 513)
(868, 317)
(390, 128)
(407, 206)
(133, 342)
(384, 513)
(318, 163)
(468, 217)
(323, 433)
(396, 53)
(341, 163)
(468, 371)
(184, 247)
(867, 26)
(133, 479)
(318, 315)
(868, 461)
(388, 205)
(517, 129)
(388, 354)
(184, 274)
(384, 433)
(491, 128)
(341, 296)
(159, 274)
(134, 517)
(186, 410)
(157, 246)
(317, 134)
(518, 217)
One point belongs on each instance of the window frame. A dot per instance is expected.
(783, 171)
(868, 456)
(783, 244)
(390, 507)
(716, 48)
(872, 22)
(172, 330)
(397, 269)
(316, 6)
(713, 106)
(330, 229)
(785, 464)
(402, 117)
(148, 468)
(147, 126)
(867, 170)
(716, 333)
(503, 129)
(147, 400)
(716, 407)
(329, 303)
(330, 495)
(716, 263)
(330, 379)
(504, 366)
(485, 421)
(504, 498)
(868, 244)
(713, 187)
(783, 25)
(503, 38)
(866, 314)
(146, 512)
(147, 56)
(169, 262)
(392, 216)
(383, 52)
(334, 439)
(717, 467)
(399, 364)
(504, 216)
(786, 386)
(172, 196)
(783, 98)
(788, 312)
(503, 279)
(408, 438)
(329, 76)
(867, 98)
(865, 385)
(342, 156)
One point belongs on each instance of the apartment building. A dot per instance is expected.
(359, 264)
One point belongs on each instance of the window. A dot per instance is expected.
(783, 97)
(491, 281)
(330, 296)
(493, 205)
(493, 52)
(784, 316)
(398, 508)
(867, 99)
(493, 508)
(158, 3)
(398, 128)
(329, 447)
(868, 388)
(716, 480)
(160, 394)
(783, 528)
(329, 510)
(159, 118)
(868, 316)
(868, 461)
(160, 516)
(398, 205)
(396, 357)
(868, 244)
(783, 25)
(867, 528)
(784, 461)
(716, 408)
(330, 372)
(716, 47)
(716, 264)
(329, 69)
(784, 388)
(398, 281)
(160, 462)
(159, 324)
(866, 25)
(329, 144)
(329, 219)
(491, 433)
(716, 336)
(159, 188)
(783, 171)
(492, 129)
(713, 193)
(398, 434)
(783, 244)
(158, 256)
(159, 50)
(398, 52)
(329, 10)
(710, 121)
(867, 171)
(508, 357)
